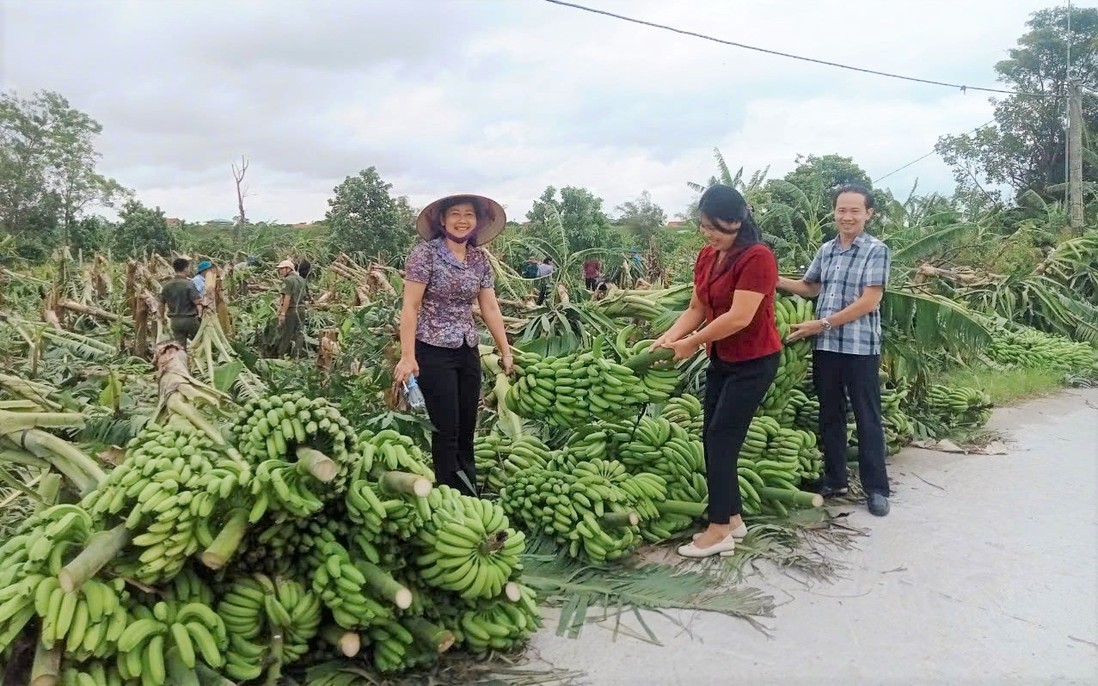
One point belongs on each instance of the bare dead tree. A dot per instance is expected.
(241, 193)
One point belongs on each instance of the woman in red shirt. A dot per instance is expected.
(734, 280)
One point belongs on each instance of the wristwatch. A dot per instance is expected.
(826, 324)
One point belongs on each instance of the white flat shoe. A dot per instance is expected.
(739, 533)
(724, 548)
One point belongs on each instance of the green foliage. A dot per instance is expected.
(585, 224)
(1025, 146)
(366, 222)
(642, 219)
(142, 231)
(47, 171)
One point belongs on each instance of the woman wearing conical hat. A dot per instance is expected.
(444, 276)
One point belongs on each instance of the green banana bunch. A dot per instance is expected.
(468, 546)
(686, 411)
(959, 406)
(258, 607)
(88, 621)
(393, 451)
(1030, 348)
(586, 512)
(192, 631)
(511, 457)
(303, 451)
(92, 673)
(342, 587)
(572, 390)
(498, 623)
(171, 482)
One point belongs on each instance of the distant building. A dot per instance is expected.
(173, 222)
(677, 224)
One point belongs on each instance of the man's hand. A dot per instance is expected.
(805, 330)
(683, 348)
(508, 364)
(282, 319)
(405, 368)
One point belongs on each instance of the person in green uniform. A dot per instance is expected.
(291, 311)
(181, 300)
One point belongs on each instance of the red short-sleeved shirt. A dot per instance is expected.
(752, 269)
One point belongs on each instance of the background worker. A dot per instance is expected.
(291, 311)
(200, 277)
(180, 302)
(591, 270)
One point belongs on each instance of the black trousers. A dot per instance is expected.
(450, 381)
(733, 391)
(838, 376)
(591, 282)
(184, 327)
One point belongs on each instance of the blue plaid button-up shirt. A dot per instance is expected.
(843, 275)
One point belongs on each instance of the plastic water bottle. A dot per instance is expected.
(413, 395)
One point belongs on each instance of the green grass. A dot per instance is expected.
(1006, 386)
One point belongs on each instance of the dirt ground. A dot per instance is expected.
(986, 572)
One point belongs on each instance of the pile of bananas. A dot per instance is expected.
(959, 407)
(1030, 348)
(686, 411)
(499, 458)
(576, 389)
(178, 567)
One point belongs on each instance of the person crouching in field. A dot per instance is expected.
(180, 300)
(734, 280)
(439, 340)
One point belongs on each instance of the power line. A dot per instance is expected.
(932, 152)
(962, 87)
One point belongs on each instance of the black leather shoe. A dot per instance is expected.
(877, 504)
(831, 492)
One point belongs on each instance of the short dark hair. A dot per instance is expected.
(304, 268)
(853, 188)
(548, 260)
(180, 264)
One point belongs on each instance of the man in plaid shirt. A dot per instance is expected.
(849, 274)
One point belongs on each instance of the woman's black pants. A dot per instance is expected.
(450, 381)
(733, 391)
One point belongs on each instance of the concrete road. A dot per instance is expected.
(986, 572)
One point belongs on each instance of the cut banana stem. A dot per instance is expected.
(512, 591)
(681, 507)
(430, 634)
(46, 670)
(227, 542)
(385, 585)
(348, 642)
(77, 467)
(801, 498)
(404, 482)
(22, 457)
(48, 489)
(618, 520)
(319, 465)
(102, 548)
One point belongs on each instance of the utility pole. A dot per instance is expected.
(1075, 157)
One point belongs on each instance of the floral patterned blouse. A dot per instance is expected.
(446, 316)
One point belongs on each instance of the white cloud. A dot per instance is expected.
(498, 96)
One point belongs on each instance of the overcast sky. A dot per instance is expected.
(500, 97)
